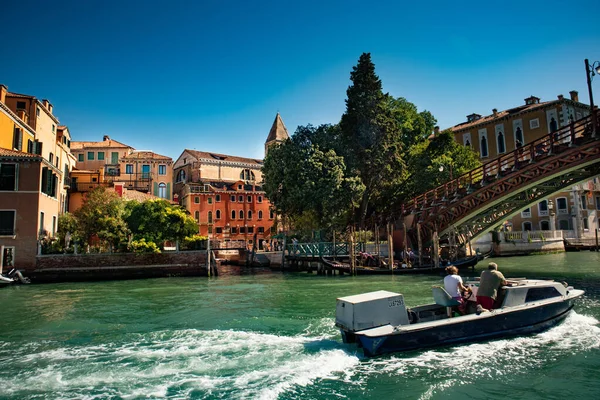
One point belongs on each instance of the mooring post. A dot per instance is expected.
(436, 249)
(391, 244)
(420, 244)
(352, 258)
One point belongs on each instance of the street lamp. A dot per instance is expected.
(590, 71)
(441, 169)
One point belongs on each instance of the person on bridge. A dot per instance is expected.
(491, 280)
(454, 286)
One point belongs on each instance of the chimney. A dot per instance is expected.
(561, 97)
(3, 91)
(22, 114)
(574, 95)
(50, 107)
(495, 112)
(45, 102)
(436, 130)
(106, 138)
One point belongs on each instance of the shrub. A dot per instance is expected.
(141, 246)
(195, 242)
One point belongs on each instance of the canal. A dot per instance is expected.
(271, 335)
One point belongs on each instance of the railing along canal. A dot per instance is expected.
(322, 249)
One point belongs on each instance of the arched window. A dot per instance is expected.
(501, 145)
(181, 176)
(527, 226)
(519, 137)
(249, 214)
(232, 214)
(467, 144)
(271, 214)
(197, 216)
(162, 190)
(260, 214)
(484, 147)
(247, 175)
(218, 214)
(563, 225)
(545, 225)
(241, 214)
(210, 219)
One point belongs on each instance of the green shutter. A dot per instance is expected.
(155, 188)
(169, 191)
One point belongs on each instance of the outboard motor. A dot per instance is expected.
(369, 310)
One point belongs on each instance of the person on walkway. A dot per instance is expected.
(454, 286)
(491, 280)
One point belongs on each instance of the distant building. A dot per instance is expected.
(577, 210)
(35, 161)
(224, 193)
(110, 162)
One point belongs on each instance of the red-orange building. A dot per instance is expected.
(224, 193)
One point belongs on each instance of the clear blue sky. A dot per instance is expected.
(211, 75)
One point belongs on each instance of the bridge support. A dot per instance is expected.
(420, 244)
(436, 249)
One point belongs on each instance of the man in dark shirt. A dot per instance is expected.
(491, 280)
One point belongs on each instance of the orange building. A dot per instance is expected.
(224, 193)
(576, 211)
(35, 161)
(144, 171)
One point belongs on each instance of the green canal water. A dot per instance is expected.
(272, 336)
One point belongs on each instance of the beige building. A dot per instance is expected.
(34, 179)
(143, 171)
(574, 212)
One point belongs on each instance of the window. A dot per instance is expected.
(250, 229)
(210, 229)
(249, 214)
(232, 198)
(7, 222)
(583, 201)
(597, 202)
(242, 229)
(541, 293)
(218, 214)
(146, 171)
(526, 213)
(241, 199)
(561, 205)
(29, 146)
(563, 224)
(260, 214)
(129, 168)
(467, 139)
(483, 145)
(259, 199)
(273, 231)
(534, 123)
(500, 139)
(114, 157)
(162, 169)
(232, 214)
(21, 105)
(197, 200)
(53, 225)
(527, 226)
(37, 112)
(90, 156)
(247, 175)
(209, 200)
(271, 214)
(49, 182)
(261, 229)
(239, 187)
(544, 225)
(210, 217)
(249, 199)
(543, 208)
(80, 157)
(197, 216)
(218, 230)
(233, 231)
(53, 128)
(586, 224)
(241, 214)
(100, 156)
(8, 257)
(180, 176)
(218, 198)
(51, 158)
(8, 176)
(17, 139)
(41, 222)
(162, 190)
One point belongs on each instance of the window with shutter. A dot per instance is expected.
(17, 139)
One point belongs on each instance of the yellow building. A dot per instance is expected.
(576, 211)
(35, 161)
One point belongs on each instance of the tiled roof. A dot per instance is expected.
(278, 131)
(103, 144)
(223, 157)
(140, 196)
(24, 96)
(506, 113)
(7, 153)
(144, 155)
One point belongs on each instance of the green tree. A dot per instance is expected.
(68, 230)
(101, 216)
(157, 221)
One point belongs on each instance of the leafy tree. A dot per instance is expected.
(68, 230)
(158, 221)
(101, 216)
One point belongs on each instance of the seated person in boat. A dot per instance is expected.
(491, 280)
(454, 286)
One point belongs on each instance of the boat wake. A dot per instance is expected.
(237, 364)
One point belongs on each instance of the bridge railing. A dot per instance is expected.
(551, 144)
(321, 249)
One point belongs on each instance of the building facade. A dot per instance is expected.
(575, 211)
(224, 193)
(144, 171)
(35, 162)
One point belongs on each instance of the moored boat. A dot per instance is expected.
(380, 322)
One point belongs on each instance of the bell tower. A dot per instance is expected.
(277, 134)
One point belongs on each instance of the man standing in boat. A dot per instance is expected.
(491, 280)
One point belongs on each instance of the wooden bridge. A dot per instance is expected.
(492, 193)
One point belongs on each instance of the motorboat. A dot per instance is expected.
(380, 322)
